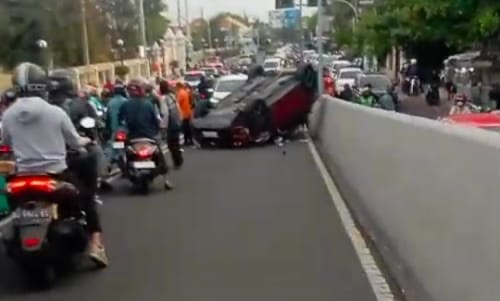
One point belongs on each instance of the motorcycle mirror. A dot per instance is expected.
(88, 123)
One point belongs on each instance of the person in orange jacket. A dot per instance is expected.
(186, 108)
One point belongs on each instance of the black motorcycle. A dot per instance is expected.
(48, 224)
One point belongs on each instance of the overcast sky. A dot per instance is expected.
(256, 8)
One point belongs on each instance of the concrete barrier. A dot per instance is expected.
(426, 192)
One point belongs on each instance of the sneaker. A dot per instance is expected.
(97, 254)
(167, 185)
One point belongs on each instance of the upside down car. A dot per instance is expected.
(259, 110)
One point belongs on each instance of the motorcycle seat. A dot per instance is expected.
(31, 174)
(142, 140)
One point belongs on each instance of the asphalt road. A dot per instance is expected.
(242, 225)
(417, 106)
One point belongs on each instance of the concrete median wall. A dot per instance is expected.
(427, 193)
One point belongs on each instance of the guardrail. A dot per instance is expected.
(425, 192)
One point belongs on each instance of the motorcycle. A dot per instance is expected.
(48, 225)
(139, 163)
(414, 88)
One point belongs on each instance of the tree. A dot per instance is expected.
(419, 25)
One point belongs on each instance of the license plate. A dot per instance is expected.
(210, 134)
(144, 164)
(40, 213)
(119, 145)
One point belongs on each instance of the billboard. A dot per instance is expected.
(276, 18)
(284, 18)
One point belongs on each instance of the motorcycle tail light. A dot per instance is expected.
(121, 136)
(145, 152)
(5, 149)
(31, 242)
(39, 184)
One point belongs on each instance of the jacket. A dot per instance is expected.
(112, 121)
(140, 119)
(185, 105)
(38, 133)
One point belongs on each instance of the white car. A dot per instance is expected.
(347, 76)
(226, 85)
(272, 65)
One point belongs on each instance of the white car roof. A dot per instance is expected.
(274, 59)
(341, 62)
(233, 77)
(350, 69)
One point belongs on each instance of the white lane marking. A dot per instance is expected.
(377, 280)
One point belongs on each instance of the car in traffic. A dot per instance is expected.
(210, 71)
(378, 81)
(262, 108)
(347, 76)
(486, 121)
(193, 77)
(226, 85)
(272, 65)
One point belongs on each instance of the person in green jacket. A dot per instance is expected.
(367, 98)
(112, 123)
(387, 102)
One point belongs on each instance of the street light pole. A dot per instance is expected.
(142, 24)
(85, 38)
(301, 30)
(319, 42)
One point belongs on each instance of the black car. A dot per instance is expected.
(262, 107)
(379, 83)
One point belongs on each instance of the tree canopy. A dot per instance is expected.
(23, 22)
(421, 25)
(219, 29)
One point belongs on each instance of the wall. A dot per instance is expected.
(427, 193)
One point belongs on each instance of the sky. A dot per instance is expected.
(253, 8)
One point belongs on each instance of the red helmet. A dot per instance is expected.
(137, 87)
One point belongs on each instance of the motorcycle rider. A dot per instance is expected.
(367, 98)
(38, 134)
(112, 123)
(63, 93)
(460, 106)
(412, 72)
(141, 120)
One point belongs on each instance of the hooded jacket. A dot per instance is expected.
(38, 133)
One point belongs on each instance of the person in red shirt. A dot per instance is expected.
(328, 83)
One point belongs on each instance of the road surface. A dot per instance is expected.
(417, 106)
(242, 225)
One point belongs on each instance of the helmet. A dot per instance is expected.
(137, 87)
(62, 82)
(30, 80)
(9, 96)
(460, 97)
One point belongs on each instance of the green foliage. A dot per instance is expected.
(457, 24)
(23, 22)
(122, 71)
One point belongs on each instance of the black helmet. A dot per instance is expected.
(9, 96)
(30, 80)
(61, 81)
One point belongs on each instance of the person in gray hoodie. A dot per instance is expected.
(38, 134)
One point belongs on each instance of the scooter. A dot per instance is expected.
(48, 226)
(139, 163)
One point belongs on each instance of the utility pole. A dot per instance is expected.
(301, 30)
(188, 23)
(85, 38)
(209, 30)
(319, 41)
(142, 25)
(179, 14)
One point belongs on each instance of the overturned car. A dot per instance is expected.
(260, 110)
